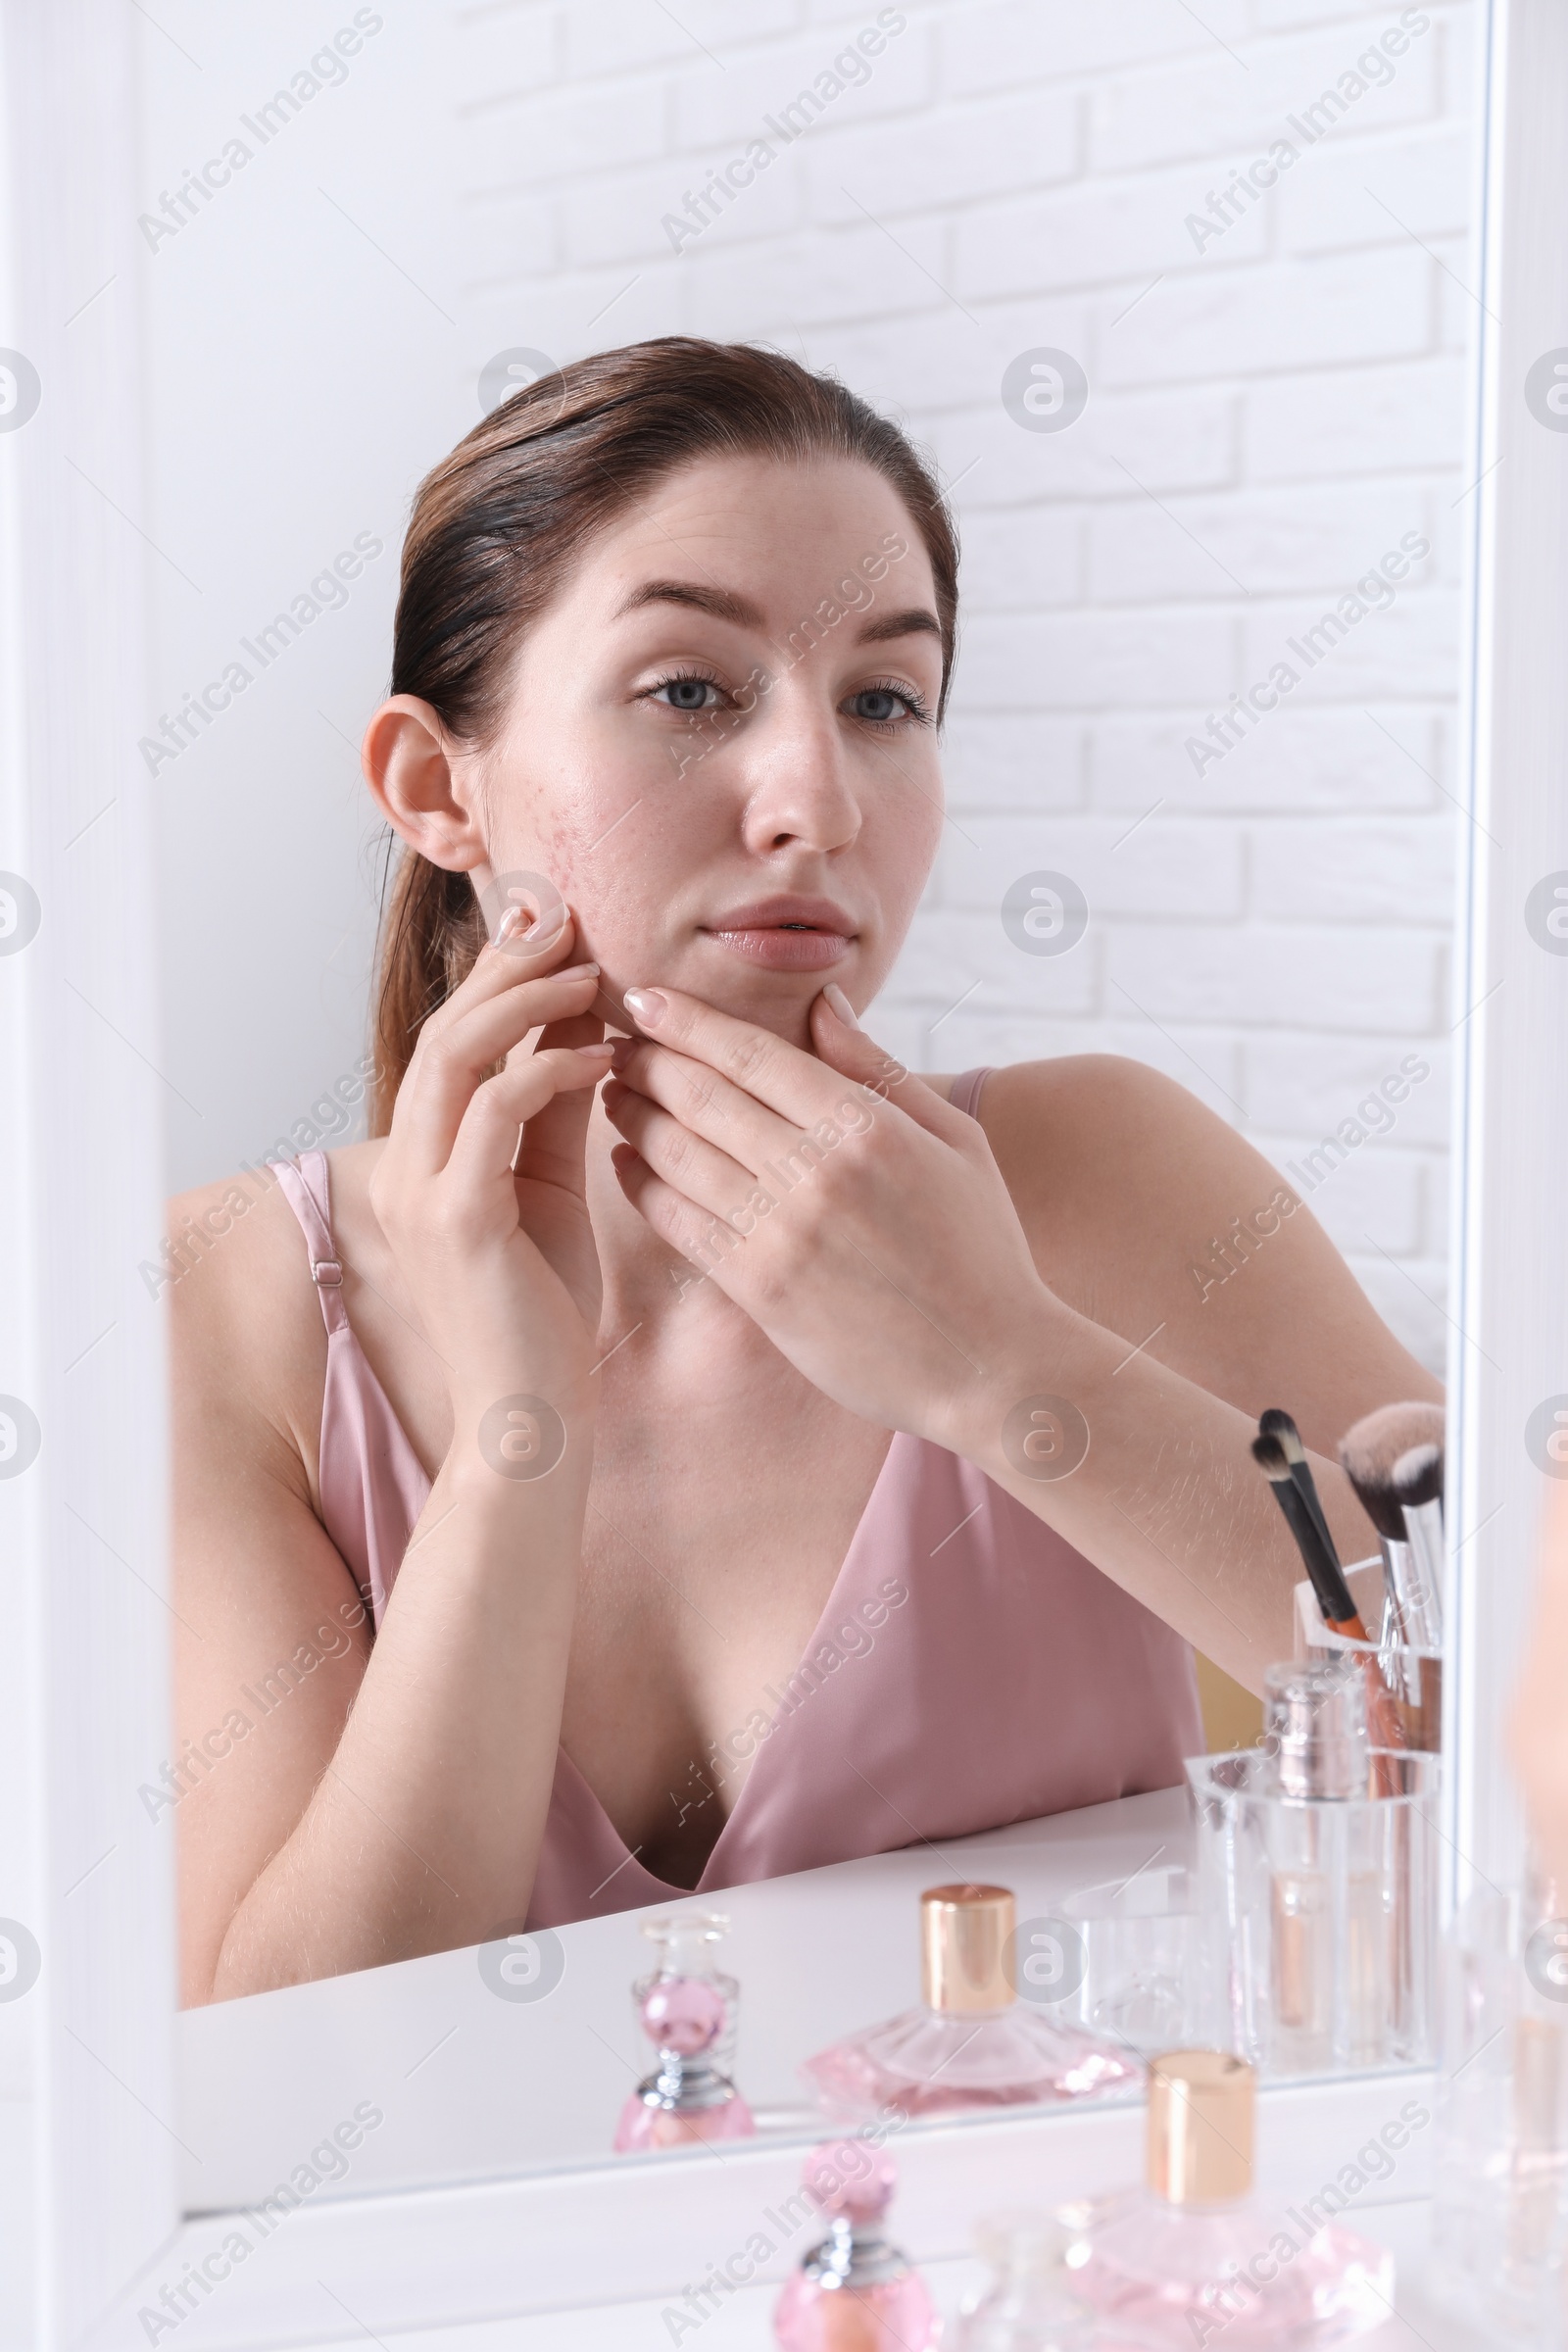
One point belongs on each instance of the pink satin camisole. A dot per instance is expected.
(970, 1669)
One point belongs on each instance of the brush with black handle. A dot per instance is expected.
(1277, 1423)
(1314, 1541)
(1334, 1601)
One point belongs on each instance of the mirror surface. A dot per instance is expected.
(1177, 312)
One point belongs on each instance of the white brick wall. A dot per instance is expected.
(1267, 416)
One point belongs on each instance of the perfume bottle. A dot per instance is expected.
(973, 2043)
(855, 2292)
(687, 2009)
(1194, 2257)
(1331, 1896)
(1318, 1860)
(1031, 2303)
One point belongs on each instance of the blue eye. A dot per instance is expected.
(686, 694)
(883, 705)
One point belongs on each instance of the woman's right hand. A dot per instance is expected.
(452, 1718)
(500, 1260)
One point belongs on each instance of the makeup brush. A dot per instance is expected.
(1277, 1423)
(1417, 1481)
(1368, 1454)
(1334, 1598)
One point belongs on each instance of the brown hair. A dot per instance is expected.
(494, 527)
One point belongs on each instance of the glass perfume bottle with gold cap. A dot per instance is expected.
(1193, 2258)
(971, 2043)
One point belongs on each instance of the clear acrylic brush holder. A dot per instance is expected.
(1321, 1912)
(1413, 1676)
(1500, 2221)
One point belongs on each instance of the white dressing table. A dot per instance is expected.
(466, 2222)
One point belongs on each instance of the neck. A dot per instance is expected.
(648, 1284)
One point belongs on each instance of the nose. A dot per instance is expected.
(799, 788)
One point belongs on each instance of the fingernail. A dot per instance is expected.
(594, 1053)
(579, 971)
(647, 1006)
(839, 1004)
(507, 927)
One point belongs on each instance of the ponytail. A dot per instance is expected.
(431, 932)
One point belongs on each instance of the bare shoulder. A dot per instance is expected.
(1071, 1127)
(1149, 1212)
(1095, 1146)
(247, 1344)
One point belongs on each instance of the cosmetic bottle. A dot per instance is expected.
(687, 2009)
(1405, 1654)
(1031, 2303)
(1317, 1860)
(855, 2292)
(972, 2043)
(1193, 2258)
(1316, 1719)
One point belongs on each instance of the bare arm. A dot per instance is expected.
(391, 1799)
(362, 1803)
(870, 1230)
(1123, 1182)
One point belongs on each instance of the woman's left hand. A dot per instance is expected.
(857, 1218)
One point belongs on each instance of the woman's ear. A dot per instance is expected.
(423, 789)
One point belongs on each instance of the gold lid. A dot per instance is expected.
(1201, 2105)
(966, 1947)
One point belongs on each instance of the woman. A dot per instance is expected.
(786, 1458)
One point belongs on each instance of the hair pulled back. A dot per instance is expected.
(496, 527)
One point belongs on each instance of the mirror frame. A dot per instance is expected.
(88, 1690)
(83, 1532)
(1508, 1322)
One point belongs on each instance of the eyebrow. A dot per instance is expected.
(914, 620)
(724, 604)
(720, 602)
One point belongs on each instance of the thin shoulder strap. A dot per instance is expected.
(965, 1095)
(306, 1188)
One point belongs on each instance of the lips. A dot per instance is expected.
(786, 934)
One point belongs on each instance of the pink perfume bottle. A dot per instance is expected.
(1194, 2257)
(687, 2010)
(973, 2044)
(855, 2292)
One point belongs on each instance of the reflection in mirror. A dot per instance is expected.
(758, 1112)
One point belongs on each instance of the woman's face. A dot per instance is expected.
(719, 742)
